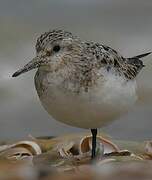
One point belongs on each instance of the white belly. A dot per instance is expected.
(92, 109)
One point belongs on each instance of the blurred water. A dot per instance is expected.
(121, 24)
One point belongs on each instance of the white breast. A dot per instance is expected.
(103, 103)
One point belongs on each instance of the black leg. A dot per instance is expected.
(94, 135)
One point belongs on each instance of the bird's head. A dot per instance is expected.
(54, 50)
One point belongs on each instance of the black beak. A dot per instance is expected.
(34, 63)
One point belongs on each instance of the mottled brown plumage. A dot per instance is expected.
(81, 83)
(98, 54)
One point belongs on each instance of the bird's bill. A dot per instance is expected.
(34, 63)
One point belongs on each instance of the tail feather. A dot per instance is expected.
(135, 64)
(141, 55)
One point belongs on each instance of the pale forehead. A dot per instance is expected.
(50, 37)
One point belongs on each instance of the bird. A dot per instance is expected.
(83, 83)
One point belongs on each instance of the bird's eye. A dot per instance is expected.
(56, 48)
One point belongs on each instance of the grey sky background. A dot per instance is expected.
(124, 25)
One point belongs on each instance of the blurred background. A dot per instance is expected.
(124, 25)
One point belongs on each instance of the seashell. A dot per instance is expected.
(103, 145)
(109, 146)
(16, 153)
(65, 149)
(85, 145)
(20, 150)
(79, 148)
(148, 148)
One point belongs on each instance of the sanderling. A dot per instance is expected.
(81, 83)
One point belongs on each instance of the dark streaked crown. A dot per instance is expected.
(51, 36)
